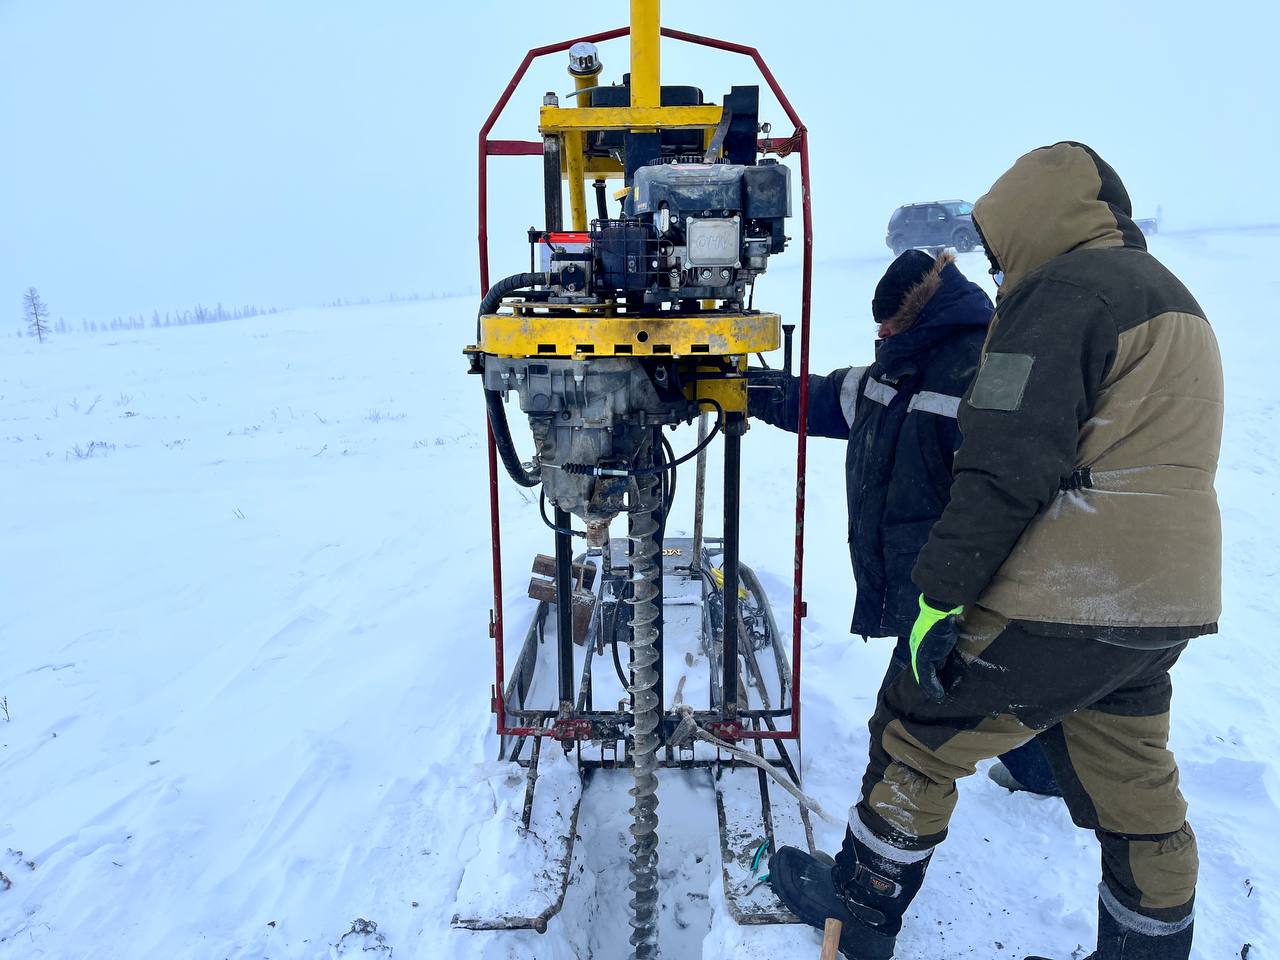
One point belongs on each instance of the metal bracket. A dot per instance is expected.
(730, 731)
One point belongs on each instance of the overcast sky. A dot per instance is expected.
(157, 153)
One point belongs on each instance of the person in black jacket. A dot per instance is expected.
(899, 418)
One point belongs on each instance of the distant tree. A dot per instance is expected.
(36, 313)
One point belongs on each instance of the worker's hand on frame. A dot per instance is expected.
(933, 637)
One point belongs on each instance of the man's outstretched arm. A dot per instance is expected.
(830, 403)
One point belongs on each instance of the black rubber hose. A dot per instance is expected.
(502, 441)
(669, 478)
(613, 642)
(542, 509)
(493, 398)
(517, 281)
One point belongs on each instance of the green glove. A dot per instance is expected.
(933, 637)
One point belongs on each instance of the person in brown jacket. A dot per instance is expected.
(1079, 553)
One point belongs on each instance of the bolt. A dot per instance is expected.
(706, 273)
(724, 274)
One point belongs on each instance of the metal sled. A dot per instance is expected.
(754, 815)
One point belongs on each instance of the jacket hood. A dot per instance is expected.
(944, 303)
(1051, 201)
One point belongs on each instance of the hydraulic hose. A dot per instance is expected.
(502, 440)
(517, 281)
(493, 398)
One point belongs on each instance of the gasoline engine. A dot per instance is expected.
(699, 235)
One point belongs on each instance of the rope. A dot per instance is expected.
(688, 727)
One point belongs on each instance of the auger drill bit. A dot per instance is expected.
(642, 530)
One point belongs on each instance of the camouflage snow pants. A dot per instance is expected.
(1101, 713)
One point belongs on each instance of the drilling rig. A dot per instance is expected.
(625, 327)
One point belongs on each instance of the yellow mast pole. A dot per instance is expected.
(646, 20)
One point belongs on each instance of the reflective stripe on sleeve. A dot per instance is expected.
(849, 393)
(879, 392)
(942, 404)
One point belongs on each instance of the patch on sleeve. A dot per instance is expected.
(1002, 381)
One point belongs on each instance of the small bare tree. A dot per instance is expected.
(36, 313)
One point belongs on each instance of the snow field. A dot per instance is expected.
(243, 611)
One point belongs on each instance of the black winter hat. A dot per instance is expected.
(903, 274)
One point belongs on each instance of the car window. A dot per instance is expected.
(915, 214)
(937, 213)
(960, 209)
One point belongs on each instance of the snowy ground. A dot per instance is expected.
(243, 604)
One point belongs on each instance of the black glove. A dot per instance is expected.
(933, 637)
(765, 387)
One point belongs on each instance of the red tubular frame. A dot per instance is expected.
(797, 142)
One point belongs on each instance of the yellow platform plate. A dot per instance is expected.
(666, 335)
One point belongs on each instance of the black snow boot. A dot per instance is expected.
(864, 889)
(1133, 936)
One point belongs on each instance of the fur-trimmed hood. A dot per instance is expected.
(939, 306)
(920, 294)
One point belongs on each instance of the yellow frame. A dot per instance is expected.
(592, 332)
(569, 119)
(665, 334)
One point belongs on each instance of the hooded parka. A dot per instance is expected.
(1083, 501)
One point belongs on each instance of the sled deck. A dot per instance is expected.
(755, 817)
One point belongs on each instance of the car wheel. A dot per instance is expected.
(963, 241)
(900, 245)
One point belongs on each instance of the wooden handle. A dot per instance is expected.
(831, 939)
